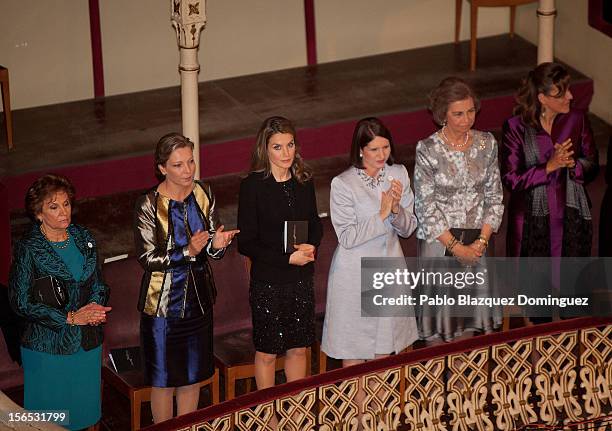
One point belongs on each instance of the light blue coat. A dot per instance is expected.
(354, 207)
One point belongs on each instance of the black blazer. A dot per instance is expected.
(262, 211)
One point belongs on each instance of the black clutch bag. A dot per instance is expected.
(466, 236)
(50, 291)
(294, 233)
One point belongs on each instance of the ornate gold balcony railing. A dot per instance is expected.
(557, 375)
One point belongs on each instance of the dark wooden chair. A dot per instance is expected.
(235, 359)
(131, 385)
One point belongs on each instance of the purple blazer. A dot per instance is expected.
(519, 179)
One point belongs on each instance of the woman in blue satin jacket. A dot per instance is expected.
(60, 347)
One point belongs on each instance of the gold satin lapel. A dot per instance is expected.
(162, 217)
(202, 199)
(157, 277)
(154, 293)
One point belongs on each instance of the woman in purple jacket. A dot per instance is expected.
(548, 154)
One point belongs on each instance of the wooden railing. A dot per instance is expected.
(552, 374)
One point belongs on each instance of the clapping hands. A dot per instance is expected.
(197, 242)
(390, 199)
(221, 239)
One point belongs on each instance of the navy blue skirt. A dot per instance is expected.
(177, 352)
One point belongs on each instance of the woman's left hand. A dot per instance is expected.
(396, 190)
(222, 239)
(478, 247)
(306, 248)
(91, 314)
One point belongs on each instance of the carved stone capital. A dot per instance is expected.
(188, 19)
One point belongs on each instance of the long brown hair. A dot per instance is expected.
(260, 161)
(543, 79)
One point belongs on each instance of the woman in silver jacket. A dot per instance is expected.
(457, 187)
(176, 229)
(371, 204)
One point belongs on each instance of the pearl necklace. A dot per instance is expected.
(456, 146)
(56, 243)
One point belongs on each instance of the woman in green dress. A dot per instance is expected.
(60, 347)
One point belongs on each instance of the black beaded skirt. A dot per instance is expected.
(282, 314)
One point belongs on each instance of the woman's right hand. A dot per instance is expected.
(466, 254)
(303, 255)
(197, 242)
(386, 204)
(90, 314)
(561, 157)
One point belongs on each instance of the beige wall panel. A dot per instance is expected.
(47, 49)
(367, 27)
(240, 38)
(138, 45)
(251, 36)
(527, 22)
(579, 45)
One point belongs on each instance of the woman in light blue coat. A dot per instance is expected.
(371, 204)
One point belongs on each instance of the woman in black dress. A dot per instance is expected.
(278, 189)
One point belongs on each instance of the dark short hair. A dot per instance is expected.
(42, 189)
(367, 129)
(259, 159)
(449, 90)
(165, 146)
(543, 79)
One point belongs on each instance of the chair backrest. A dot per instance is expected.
(232, 274)
(11, 374)
(123, 325)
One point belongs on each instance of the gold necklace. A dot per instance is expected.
(56, 243)
(456, 146)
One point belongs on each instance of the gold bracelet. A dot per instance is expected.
(483, 241)
(452, 244)
(71, 317)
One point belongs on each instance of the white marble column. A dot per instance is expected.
(546, 30)
(189, 19)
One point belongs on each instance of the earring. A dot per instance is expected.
(360, 154)
(444, 123)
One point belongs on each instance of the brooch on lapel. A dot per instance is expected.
(90, 245)
(482, 141)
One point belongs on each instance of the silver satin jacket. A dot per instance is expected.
(170, 273)
(455, 189)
